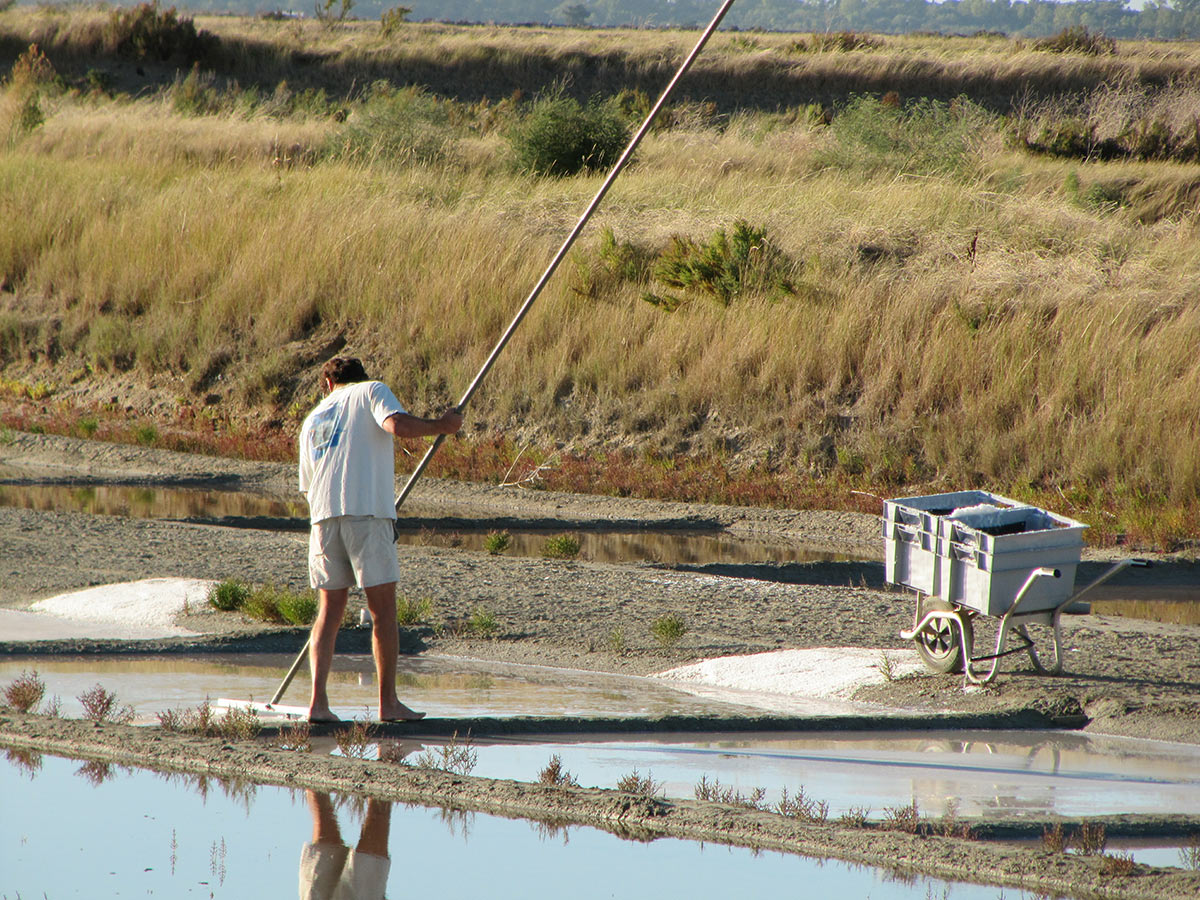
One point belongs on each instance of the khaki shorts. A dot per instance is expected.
(349, 550)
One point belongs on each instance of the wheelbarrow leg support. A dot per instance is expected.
(1015, 618)
(1006, 622)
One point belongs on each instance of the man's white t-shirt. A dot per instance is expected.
(347, 466)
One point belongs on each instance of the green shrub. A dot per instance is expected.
(482, 623)
(728, 265)
(413, 612)
(835, 42)
(1077, 39)
(559, 136)
(281, 606)
(561, 546)
(147, 32)
(497, 542)
(925, 137)
(110, 344)
(196, 95)
(228, 596)
(398, 126)
(298, 608)
(146, 435)
(668, 629)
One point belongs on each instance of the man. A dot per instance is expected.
(347, 472)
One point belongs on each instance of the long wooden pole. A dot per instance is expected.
(541, 283)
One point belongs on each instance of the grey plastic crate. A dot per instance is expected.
(987, 555)
(911, 535)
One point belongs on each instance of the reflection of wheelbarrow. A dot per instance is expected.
(945, 635)
(973, 553)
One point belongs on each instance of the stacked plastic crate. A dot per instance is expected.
(977, 549)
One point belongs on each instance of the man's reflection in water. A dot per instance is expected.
(330, 870)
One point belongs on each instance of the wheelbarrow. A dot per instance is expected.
(944, 631)
(970, 554)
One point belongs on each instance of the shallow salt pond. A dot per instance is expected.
(94, 831)
(981, 774)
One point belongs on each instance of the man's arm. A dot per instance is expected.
(404, 425)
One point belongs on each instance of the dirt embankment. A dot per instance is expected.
(1123, 676)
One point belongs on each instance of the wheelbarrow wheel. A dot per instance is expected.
(938, 643)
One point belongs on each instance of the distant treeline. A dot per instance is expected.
(1166, 19)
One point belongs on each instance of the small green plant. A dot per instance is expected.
(458, 757)
(298, 608)
(100, 705)
(282, 606)
(561, 546)
(146, 435)
(615, 641)
(228, 596)
(803, 807)
(559, 136)
(635, 783)
(497, 542)
(239, 724)
(482, 623)
(668, 630)
(413, 612)
(731, 263)
(715, 792)
(886, 666)
(25, 692)
(234, 723)
(353, 742)
(554, 775)
(949, 825)
(87, 426)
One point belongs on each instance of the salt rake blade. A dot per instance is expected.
(274, 710)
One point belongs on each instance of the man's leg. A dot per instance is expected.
(320, 650)
(385, 644)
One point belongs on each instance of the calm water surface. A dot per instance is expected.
(72, 829)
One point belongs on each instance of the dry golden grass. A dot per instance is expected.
(983, 328)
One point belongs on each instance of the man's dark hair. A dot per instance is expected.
(344, 370)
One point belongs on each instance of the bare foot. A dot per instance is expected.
(324, 716)
(399, 713)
